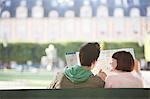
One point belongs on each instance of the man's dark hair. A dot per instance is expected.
(125, 61)
(89, 53)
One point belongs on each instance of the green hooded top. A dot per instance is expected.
(77, 74)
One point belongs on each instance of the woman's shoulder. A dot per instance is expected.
(113, 76)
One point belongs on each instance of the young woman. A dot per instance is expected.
(122, 75)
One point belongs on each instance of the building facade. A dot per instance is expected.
(43, 21)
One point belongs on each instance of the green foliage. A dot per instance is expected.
(1, 51)
(139, 51)
(22, 52)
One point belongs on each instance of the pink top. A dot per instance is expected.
(123, 80)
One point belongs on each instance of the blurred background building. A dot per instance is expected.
(43, 21)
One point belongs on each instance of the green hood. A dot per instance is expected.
(77, 74)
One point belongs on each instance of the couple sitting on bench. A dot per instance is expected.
(81, 76)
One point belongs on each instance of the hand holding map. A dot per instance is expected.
(105, 57)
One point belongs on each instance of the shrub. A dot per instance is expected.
(22, 52)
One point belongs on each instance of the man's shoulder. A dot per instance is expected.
(96, 78)
(56, 83)
(63, 82)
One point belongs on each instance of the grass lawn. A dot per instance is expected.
(39, 79)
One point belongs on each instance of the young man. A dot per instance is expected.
(81, 76)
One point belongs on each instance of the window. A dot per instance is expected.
(69, 25)
(54, 23)
(148, 25)
(135, 12)
(86, 29)
(22, 11)
(118, 12)
(38, 11)
(86, 11)
(148, 11)
(53, 14)
(21, 30)
(102, 11)
(136, 27)
(69, 14)
(68, 29)
(135, 21)
(102, 24)
(5, 14)
(118, 23)
(5, 30)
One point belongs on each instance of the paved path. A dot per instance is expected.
(4, 85)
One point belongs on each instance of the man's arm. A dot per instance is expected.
(56, 83)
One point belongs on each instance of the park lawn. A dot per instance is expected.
(39, 79)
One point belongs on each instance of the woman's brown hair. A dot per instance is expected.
(125, 61)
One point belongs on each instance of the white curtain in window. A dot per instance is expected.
(69, 25)
(118, 22)
(38, 10)
(148, 11)
(5, 30)
(102, 11)
(53, 14)
(21, 30)
(54, 24)
(135, 12)
(118, 12)
(135, 20)
(136, 25)
(148, 23)
(21, 12)
(86, 29)
(37, 30)
(102, 25)
(118, 25)
(5, 14)
(69, 14)
(86, 11)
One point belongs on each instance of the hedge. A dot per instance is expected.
(139, 51)
(21, 52)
